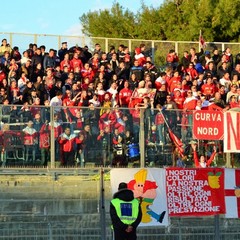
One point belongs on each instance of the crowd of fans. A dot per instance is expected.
(97, 97)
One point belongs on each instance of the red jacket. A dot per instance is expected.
(207, 163)
(190, 103)
(44, 137)
(87, 74)
(30, 136)
(75, 62)
(67, 143)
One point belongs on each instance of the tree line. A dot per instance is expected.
(174, 20)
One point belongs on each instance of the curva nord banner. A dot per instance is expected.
(208, 125)
(195, 192)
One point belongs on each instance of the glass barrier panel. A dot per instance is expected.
(25, 135)
(38, 136)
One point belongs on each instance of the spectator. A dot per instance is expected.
(160, 123)
(194, 55)
(30, 140)
(232, 92)
(56, 102)
(191, 71)
(172, 59)
(137, 70)
(49, 60)
(44, 143)
(202, 161)
(5, 47)
(124, 227)
(62, 51)
(65, 62)
(185, 59)
(139, 57)
(97, 50)
(87, 54)
(94, 62)
(36, 58)
(5, 61)
(76, 62)
(150, 69)
(67, 141)
(125, 95)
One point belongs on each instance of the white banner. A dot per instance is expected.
(232, 131)
(149, 185)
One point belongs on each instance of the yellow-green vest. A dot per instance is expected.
(126, 211)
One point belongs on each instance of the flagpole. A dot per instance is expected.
(199, 45)
(165, 119)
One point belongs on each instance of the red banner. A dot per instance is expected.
(208, 125)
(195, 192)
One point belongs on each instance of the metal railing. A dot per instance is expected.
(158, 50)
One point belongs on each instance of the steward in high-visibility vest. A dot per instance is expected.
(126, 214)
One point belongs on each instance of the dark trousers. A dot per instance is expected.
(122, 235)
(68, 158)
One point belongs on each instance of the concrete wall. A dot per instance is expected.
(41, 204)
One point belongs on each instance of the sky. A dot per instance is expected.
(58, 17)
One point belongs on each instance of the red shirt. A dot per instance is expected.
(124, 96)
(179, 101)
(75, 62)
(208, 89)
(159, 119)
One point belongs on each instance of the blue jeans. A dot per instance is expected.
(160, 133)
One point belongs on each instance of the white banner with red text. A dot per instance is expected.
(195, 192)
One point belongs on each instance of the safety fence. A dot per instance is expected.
(158, 50)
(36, 136)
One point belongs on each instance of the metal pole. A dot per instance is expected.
(153, 51)
(228, 160)
(102, 206)
(142, 139)
(106, 45)
(216, 226)
(52, 140)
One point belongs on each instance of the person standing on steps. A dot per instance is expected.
(126, 214)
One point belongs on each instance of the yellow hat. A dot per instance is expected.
(141, 176)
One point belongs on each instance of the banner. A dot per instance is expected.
(149, 186)
(232, 193)
(232, 131)
(195, 192)
(208, 125)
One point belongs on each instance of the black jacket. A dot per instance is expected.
(125, 195)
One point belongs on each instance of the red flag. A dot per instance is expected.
(176, 141)
(202, 41)
(174, 138)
